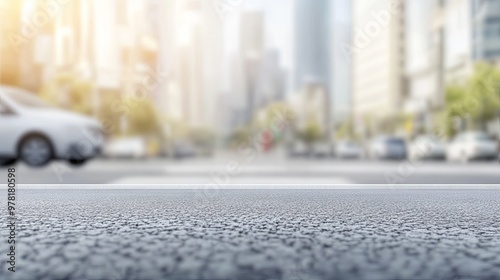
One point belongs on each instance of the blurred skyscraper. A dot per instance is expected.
(213, 56)
(313, 48)
(190, 67)
(161, 17)
(378, 60)
(192, 54)
(271, 80)
(457, 21)
(313, 61)
(341, 61)
(486, 29)
(251, 51)
(424, 66)
(10, 34)
(471, 33)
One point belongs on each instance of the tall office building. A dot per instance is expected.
(271, 81)
(486, 29)
(236, 98)
(424, 61)
(341, 61)
(191, 63)
(252, 33)
(471, 33)
(163, 22)
(251, 52)
(457, 21)
(313, 49)
(196, 65)
(106, 42)
(213, 57)
(312, 60)
(378, 59)
(10, 40)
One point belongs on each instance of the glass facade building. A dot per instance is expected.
(486, 29)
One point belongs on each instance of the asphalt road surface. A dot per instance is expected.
(234, 170)
(256, 234)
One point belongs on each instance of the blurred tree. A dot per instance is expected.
(473, 103)
(70, 92)
(484, 95)
(279, 110)
(277, 117)
(311, 133)
(142, 118)
(454, 99)
(240, 136)
(345, 130)
(112, 113)
(179, 129)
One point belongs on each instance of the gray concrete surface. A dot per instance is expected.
(260, 171)
(257, 234)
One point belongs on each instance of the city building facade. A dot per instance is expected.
(377, 51)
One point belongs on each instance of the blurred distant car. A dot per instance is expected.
(298, 149)
(498, 149)
(427, 148)
(348, 150)
(390, 148)
(127, 148)
(472, 146)
(184, 150)
(322, 149)
(36, 133)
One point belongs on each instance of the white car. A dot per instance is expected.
(322, 149)
(37, 133)
(184, 149)
(427, 148)
(472, 146)
(133, 147)
(348, 150)
(388, 148)
(298, 149)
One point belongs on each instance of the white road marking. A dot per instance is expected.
(228, 181)
(215, 187)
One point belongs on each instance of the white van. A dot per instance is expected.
(36, 133)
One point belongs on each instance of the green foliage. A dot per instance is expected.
(473, 102)
(278, 117)
(129, 115)
(345, 130)
(70, 92)
(311, 133)
(240, 135)
(142, 119)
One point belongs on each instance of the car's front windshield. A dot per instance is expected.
(25, 99)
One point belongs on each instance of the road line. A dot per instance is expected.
(259, 187)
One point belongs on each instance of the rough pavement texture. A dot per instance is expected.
(261, 234)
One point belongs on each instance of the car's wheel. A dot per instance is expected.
(7, 162)
(77, 162)
(35, 151)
